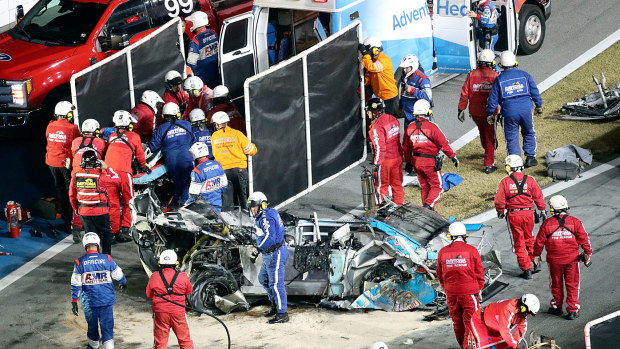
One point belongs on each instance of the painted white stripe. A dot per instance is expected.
(35, 262)
(275, 281)
(553, 79)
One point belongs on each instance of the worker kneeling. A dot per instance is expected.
(208, 178)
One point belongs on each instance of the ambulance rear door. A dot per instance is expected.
(237, 55)
(453, 36)
(508, 37)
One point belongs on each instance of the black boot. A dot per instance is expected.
(75, 230)
(527, 274)
(555, 311)
(428, 207)
(272, 311)
(536, 268)
(279, 318)
(572, 315)
(489, 169)
(123, 235)
(530, 161)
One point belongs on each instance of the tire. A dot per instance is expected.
(532, 27)
(214, 280)
(378, 273)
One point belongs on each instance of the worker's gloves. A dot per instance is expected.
(254, 256)
(363, 49)
(456, 162)
(491, 119)
(543, 215)
(472, 14)
(537, 260)
(480, 297)
(146, 169)
(375, 171)
(408, 167)
(500, 215)
(461, 115)
(74, 308)
(410, 89)
(586, 259)
(122, 287)
(538, 110)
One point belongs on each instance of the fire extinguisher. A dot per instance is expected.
(12, 216)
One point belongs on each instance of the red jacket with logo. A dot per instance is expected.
(502, 316)
(147, 121)
(88, 191)
(121, 151)
(476, 90)
(181, 287)
(507, 195)
(60, 133)
(204, 101)
(86, 143)
(562, 243)
(459, 269)
(236, 119)
(427, 140)
(181, 99)
(385, 137)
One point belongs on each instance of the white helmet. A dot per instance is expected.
(199, 19)
(457, 229)
(123, 118)
(257, 198)
(90, 126)
(193, 85)
(220, 117)
(196, 115)
(558, 204)
(151, 98)
(410, 61)
(91, 239)
(199, 150)
(378, 345)
(486, 56)
(531, 302)
(421, 107)
(64, 110)
(507, 59)
(173, 78)
(513, 163)
(372, 41)
(220, 91)
(168, 257)
(171, 109)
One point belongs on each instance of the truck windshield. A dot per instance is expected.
(59, 22)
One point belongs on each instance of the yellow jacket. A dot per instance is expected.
(231, 147)
(381, 76)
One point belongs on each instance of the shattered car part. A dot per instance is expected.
(601, 105)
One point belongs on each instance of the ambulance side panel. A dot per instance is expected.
(453, 31)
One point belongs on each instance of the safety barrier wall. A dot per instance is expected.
(603, 332)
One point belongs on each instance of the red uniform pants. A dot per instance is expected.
(77, 221)
(390, 175)
(123, 192)
(484, 335)
(561, 275)
(487, 139)
(520, 227)
(462, 308)
(162, 322)
(431, 183)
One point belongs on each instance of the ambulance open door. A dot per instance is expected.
(453, 36)
(237, 56)
(508, 37)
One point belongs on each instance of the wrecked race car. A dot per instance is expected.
(604, 104)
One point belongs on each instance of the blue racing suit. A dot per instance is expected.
(422, 90)
(514, 90)
(487, 23)
(203, 57)
(203, 136)
(174, 139)
(209, 180)
(92, 283)
(275, 254)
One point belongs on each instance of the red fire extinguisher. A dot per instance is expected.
(12, 216)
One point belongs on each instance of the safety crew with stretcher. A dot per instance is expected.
(517, 194)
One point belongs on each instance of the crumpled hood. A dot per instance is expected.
(18, 59)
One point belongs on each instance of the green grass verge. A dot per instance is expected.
(478, 189)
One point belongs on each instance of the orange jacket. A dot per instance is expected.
(381, 76)
(231, 148)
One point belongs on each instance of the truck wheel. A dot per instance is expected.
(213, 281)
(531, 29)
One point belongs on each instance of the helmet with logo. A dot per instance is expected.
(91, 238)
(172, 78)
(220, 118)
(89, 159)
(168, 258)
(558, 204)
(422, 108)
(513, 163)
(199, 150)
(151, 98)
(221, 94)
(410, 61)
(374, 45)
(257, 199)
(198, 19)
(457, 229)
(486, 57)
(378, 345)
(196, 116)
(64, 110)
(90, 126)
(507, 59)
(123, 118)
(529, 304)
(193, 85)
(170, 111)
(375, 107)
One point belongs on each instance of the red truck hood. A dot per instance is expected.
(18, 59)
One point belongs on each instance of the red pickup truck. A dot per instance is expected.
(58, 38)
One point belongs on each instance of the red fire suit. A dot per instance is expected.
(204, 101)
(181, 99)
(459, 270)
(60, 133)
(123, 146)
(147, 121)
(562, 243)
(520, 215)
(78, 147)
(476, 91)
(236, 119)
(421, 145)
(498, 321)
(384, 135)
(166, 314)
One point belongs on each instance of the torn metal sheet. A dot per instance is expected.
(604, 104)
(395, 294)
(232, 302)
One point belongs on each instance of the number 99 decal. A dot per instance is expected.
(175, 6)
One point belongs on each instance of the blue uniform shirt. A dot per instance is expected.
(203, 136)
(423, 90)
(209, 180)
(270, 223)
(93, 274)
(203, 57)
(514, 90)
(173, 139)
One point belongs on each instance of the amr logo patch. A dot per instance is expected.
(93, 278)
(5, 57)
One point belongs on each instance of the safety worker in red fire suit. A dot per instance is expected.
(203, 52)
(146, 114)
(221, 102)
(414, 85)
(60, 133)
(422, 142)
(89, 193)
(562, 235)
(475, 91)
(381, 73)
(503, 321)
(200, 95)
(460, 272)
(384, 136)
(123, 147)
(173, 81)
(517, 194)
(91, 282)
(88, 141)
(173, 285)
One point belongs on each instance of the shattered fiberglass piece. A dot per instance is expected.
(397, 295)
